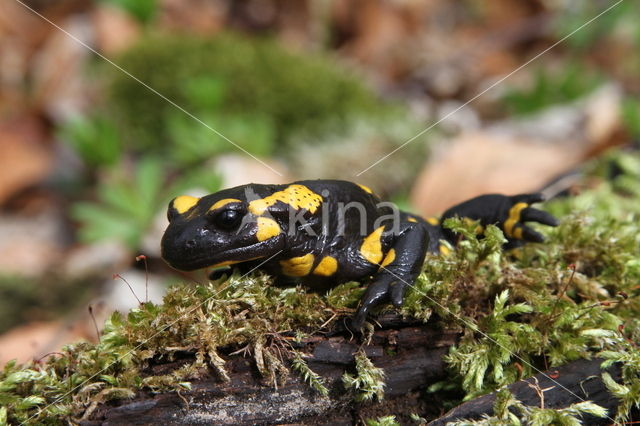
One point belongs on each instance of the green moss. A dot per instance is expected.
(368, 382)
(567, 84)
(235, 312)
(506, 407)
(230, 82)
(383, 421)
(309, 376)
(575, 296)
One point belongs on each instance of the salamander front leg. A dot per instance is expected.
(398, 270)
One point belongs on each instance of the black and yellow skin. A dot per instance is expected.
(325, 232)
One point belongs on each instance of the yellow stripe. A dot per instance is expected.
(444, 250)
(233, 262)
(412, 219)
(222, 203)
(514, 217)
(184, 202)
(390, 257)
(297, 266)
(371, 248)
(225, 263)
(327, 266)
(365, 188)
(518, 233)
(433, 221)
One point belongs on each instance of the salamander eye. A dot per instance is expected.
(228, 219)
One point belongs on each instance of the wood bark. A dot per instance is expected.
(411, 355)
(560, 387)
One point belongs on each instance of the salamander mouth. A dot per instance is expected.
(236, 255)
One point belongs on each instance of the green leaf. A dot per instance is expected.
(104, 224)
(149, 181)
(142, 10)
(94, 138)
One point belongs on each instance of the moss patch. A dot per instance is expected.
(576, 296)
(231, 82)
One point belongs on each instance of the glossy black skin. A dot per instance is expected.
(196, 239)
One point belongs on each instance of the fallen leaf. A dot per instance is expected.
(24, 158)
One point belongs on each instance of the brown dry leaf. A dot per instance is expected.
(115, 30)
(31, 245)
(480, 163)
(504, 13)
(19, 22)
(518, 156)
(301, 24)
(58, 70)
(23, 23)
(199, 16)
(24, 160)
(32, 341)
(381, 34)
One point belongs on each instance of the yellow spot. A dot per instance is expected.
(390, 257)
(432, 220)
(297, 266)
(371, 248)
(517, 233)
(267, 228)
(413, 219)
(223, 203)
(297, 196)
(226, 263)
(233, 262)
(514, 217)
(444, 250)
(517, 253)
(327, 266)
(184, 203)
(365, 188)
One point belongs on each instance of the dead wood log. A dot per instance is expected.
(411, 355)
(577, 381)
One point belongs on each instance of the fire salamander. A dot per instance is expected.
(325, 232)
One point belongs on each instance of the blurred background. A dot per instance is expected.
(106, 118)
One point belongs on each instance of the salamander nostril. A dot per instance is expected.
(190, 244)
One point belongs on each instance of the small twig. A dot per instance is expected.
(328, 321)
(146, 276)
(564, 289)
(48, 354)
(182, 398)
(95, 324)
(115, 276)
(245, 350)
(536, 387)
